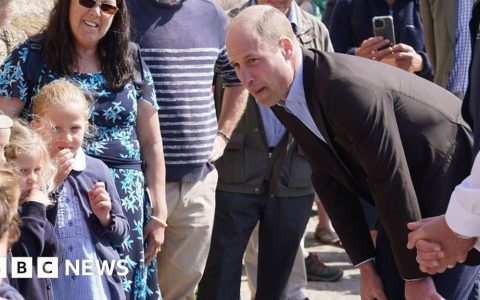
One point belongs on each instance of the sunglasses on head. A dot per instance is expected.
(104, 7)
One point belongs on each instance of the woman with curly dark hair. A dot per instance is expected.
(87, 42)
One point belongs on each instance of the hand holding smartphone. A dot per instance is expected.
(383, 26)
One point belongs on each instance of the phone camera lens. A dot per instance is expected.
(379, 23)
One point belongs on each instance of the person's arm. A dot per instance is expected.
(14, 87)
(371, 286)
(234, 102)
(34, 228)
(341, 204)
(368, 123)
(438, 247)
(421, 289)
(463, 213)
(407, 58)
(11, 106)
(454, 234)
(148, 130)
(118, 229)
(233, 106)
(37, 235)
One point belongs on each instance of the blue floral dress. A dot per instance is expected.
(114, 116)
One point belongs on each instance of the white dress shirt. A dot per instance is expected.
(463, 213)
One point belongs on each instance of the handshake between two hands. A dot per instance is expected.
(438, 247)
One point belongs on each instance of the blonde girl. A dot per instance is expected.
(30, 159)
(29, 156)
(88, 218)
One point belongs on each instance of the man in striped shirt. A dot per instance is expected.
(183, 44)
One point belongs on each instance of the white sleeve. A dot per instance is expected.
(463, 213)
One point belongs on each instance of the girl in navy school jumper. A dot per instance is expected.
(87, 215)
(9, 194)
(30, 159)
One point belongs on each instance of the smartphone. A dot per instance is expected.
(383, 26)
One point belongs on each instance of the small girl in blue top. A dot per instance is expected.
(29, 157)
(87, 215)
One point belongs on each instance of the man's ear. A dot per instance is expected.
(287, 46)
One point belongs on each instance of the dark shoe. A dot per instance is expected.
(318, 271)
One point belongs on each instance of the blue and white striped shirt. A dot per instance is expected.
(458, 80)
(183, 54)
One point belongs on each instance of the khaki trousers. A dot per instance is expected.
(181, 262)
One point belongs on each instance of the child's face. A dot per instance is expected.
(4, 138)
(28, 166)
(67, 127)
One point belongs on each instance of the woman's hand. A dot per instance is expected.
(154, 233)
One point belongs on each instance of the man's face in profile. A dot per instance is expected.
(265, 70)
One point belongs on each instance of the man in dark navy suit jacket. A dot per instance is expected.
(368, 130)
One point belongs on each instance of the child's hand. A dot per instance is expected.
(36, 195)
(63, 160)
(100, 203)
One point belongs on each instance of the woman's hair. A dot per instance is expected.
(24, 139)
(64, 93)
(59, 49)
(9, 196)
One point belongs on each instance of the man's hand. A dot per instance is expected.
(218, 148)
(421, 289)
(405, 58)
(438, 247)
(370, 48)
(371, 286)
(100, 203)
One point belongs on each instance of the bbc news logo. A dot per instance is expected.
(48, 267)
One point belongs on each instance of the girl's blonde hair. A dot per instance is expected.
(24, 139)
(60, 92)
(64, 93)
(9, 196)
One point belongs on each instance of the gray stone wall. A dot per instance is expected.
(28, 17)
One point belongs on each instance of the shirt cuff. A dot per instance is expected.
(413, 280)
(365, 261)
(460, 215)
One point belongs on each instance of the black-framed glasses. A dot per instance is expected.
(104, 7)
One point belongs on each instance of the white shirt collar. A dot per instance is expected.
(80, 162)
